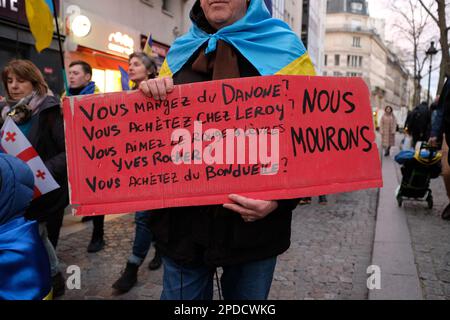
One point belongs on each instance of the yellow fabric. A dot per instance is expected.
(165, 70)
(301, 67)
(437, 158)
(49, 296)
(41, 22)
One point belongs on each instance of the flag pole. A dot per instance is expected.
(61, 54)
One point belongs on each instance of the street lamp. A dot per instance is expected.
(430, 52)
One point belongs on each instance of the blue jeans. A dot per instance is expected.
(248, 281)
(142, 239)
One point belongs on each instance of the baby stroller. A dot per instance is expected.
(418, 168)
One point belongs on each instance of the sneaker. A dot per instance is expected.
(446, 213)
(323, 200)
(58, 285)
(128, 278)
(156, 261)
(96, 245)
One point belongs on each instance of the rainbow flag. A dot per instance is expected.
(40, 17)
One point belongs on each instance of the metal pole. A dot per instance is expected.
(429, 79)
(66, 85)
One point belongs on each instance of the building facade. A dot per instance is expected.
(313, 30)
(354, 47)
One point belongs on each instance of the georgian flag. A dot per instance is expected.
(14, 142)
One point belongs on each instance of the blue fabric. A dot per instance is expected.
(142, 239)
(248, 281)
(269, 44)
(124, 79)
(24, 263)
(404, 156)
(25, 128)
(89, 89)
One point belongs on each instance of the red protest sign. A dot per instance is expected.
(267, 138)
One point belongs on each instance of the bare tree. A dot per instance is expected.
(413, 24)
(441, 20)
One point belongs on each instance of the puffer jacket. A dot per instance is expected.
(24, 264)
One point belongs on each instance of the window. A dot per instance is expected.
(356, 7)
(357, 42)
(325, 73)
(326, 60)
(337, 74)
(337, 60)
(354, 61)
(354, 74)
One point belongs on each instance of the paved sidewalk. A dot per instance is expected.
(330, 252)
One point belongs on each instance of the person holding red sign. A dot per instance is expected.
(38, 115)
(228, 39)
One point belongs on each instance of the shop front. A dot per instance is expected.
(106, 46)
(101, 43)
(17, 42)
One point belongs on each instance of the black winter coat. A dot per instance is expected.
(213, 235)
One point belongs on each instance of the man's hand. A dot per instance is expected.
(157, 88)
(251, 210)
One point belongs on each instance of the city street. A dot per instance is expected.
(332, 247)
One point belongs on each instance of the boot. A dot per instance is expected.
(128, 278)
(96, 245)
(58, 285)
(156, 261)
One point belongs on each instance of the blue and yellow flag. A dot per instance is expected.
(148, 50)
(269, 44)
(40, 18)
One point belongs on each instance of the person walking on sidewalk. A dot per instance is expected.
(141, 68)
(388, 127)
(80, 76)
(418, 123)
(230, 39)
(440, 134)
(38, 115)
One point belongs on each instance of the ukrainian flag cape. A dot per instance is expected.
(24, 263)
(269, 44)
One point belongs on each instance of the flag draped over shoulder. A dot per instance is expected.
(14, 142)
(269, 44)
(40, 18)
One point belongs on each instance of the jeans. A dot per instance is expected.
(142, 239)
(54, 263)
(247, 281)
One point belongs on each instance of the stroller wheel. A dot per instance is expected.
(399, 200)
(430, 202)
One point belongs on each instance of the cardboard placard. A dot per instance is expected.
(127, 152)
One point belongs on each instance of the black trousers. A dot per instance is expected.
(54, 224)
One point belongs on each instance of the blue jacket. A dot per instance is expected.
(24, 263)
(437, 121)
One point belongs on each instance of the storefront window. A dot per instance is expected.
(107, 80)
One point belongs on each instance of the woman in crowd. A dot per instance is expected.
(387, 129)
(37, 113)
(141, 68)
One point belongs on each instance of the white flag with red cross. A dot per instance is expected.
(14, 142)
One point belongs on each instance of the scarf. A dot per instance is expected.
(32, 103)
(269, 44)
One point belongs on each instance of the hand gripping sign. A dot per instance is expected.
(276, 137)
